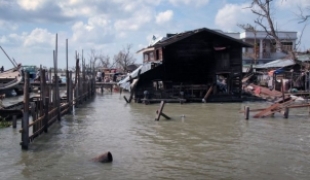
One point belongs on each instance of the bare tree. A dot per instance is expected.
(304, 17)
(262, 8)
(124, 58)
(104, 61)
(100, 60)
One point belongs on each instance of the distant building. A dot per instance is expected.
(263, 49)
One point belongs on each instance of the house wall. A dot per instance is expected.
(265, 48)
(195, 60)
(153, 55)
(189, 60)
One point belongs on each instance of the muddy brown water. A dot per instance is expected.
(202, 141)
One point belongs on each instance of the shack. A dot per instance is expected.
(198, 65)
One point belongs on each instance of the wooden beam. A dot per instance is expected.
(159, 111)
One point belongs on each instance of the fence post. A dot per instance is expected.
(34, 117)
(58, 98)
(46, 110)
(25, 120)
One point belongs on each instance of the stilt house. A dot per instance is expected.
(198, 65)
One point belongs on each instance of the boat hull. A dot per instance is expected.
(10, 81)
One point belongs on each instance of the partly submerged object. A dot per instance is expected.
(10, 80)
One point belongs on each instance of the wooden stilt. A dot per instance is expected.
(25, 120)
(46, 117)
(34, 117)
(247, 112)
(286, 112)
(70, 98)
(14, 121)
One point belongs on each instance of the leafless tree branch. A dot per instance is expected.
(264, 14)
(124, 58)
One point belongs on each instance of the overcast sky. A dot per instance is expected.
(28, 27)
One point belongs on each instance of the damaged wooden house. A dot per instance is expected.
(282, 76)
(201, 65)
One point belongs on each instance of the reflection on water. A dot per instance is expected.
(202, 141)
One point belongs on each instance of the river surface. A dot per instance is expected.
(201, 141)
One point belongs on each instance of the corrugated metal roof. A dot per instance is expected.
(183, 35)
(303, 58)
(277, 64)
(125, 84)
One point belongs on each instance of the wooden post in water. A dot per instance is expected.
(282, 89)
(84, 77)
(49, 86)
(46, 110)
(14, 121)
(67, 86)
(56, 88)
(70, 92)
(160, 113)
(286, 112)
(42, 93)
(34, 117)
(88, 88)
(247, 112)
(25, 120)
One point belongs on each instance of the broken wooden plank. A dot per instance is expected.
(273, 108)
(283, 106)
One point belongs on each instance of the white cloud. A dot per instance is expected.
(38, 38)
(97, 29)
(230, 15)
(75, 8)
(189, 2)
(135, 21)
(30, 4)
(164, 17)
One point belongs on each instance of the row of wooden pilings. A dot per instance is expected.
(49, 106)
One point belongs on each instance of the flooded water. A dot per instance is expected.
(201, 141)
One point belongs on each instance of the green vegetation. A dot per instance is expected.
(4, 123)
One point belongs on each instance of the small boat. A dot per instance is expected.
(10, 80)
